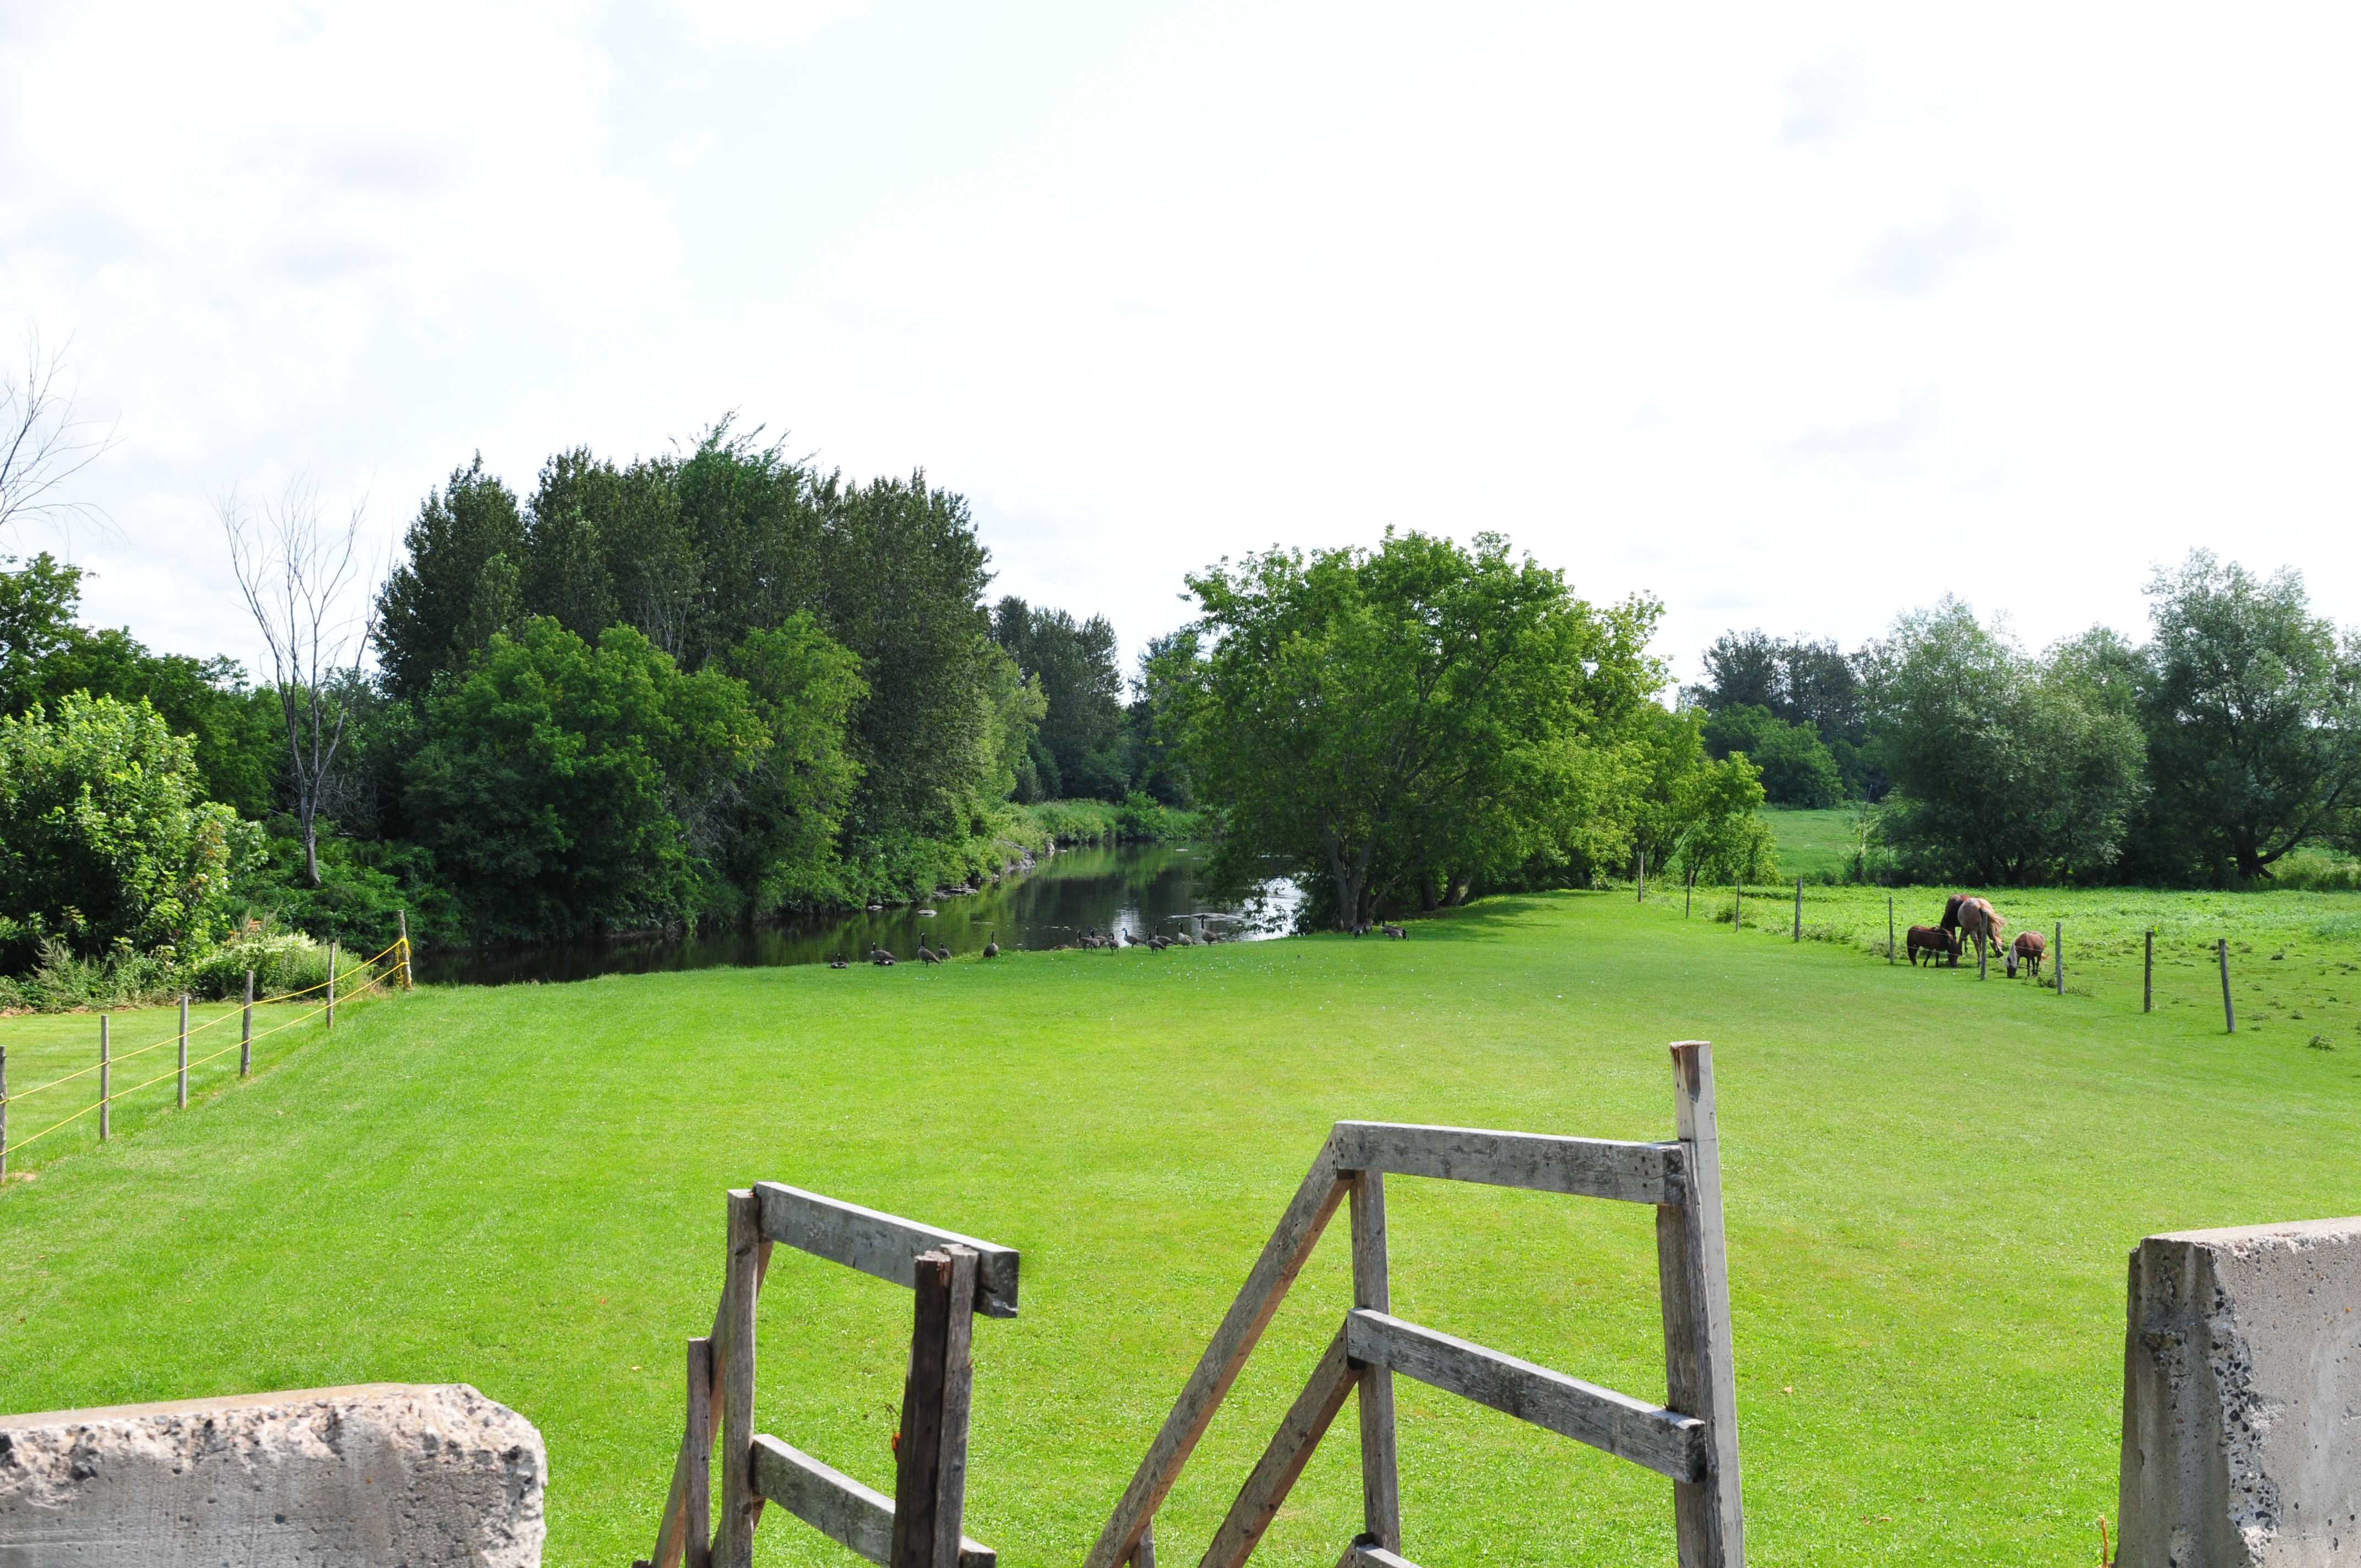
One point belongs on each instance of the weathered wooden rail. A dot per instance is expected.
(1691, 1439)
(953, 1277)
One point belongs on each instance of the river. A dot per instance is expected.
(1138, 889)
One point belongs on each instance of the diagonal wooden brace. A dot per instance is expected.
(1306, 1423)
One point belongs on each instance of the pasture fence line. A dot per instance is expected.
(2216, 949)
(107, 1060)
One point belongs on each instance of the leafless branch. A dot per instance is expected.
(44, 440)
(300, 580)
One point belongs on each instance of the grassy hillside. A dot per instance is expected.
(1931, 1188)
(1812, 844)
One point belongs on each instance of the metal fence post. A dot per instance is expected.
(2229, 1012)
(105, 1072)
(246, 1031)
(332, 985)
(1799, 909)
(2148, 977)
(2057, 972)
(184, 1050)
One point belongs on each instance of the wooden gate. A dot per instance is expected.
(953, 1278)
(1692, 1439)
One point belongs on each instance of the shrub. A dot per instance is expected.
(106, 845)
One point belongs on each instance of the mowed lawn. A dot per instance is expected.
(1931, 1186)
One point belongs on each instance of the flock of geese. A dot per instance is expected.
(940, 953)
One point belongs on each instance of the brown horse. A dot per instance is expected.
(1936, 943)
(1974, 919)
(2028, 948)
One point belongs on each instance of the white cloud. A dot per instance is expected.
(772, 22)
(1740, 312)
(1828, 100)
(1911, 262)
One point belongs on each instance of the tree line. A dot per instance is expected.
(712, 685)
(2203, 756)
(721, 684)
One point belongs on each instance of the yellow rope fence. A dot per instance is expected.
(399, 951)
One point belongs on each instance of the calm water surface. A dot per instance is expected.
(1136, 888)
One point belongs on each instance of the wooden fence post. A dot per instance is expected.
(733, 1544)
(1381, 1475)
(2229, 1012)
(4, 1113)
(1688, 900)
(1737, 909)
(332, 985)
(1889, 927)
(1799, 909)
(184, 1050)
(105, 1072)
(2057, 970)
(697, 1444)
(931, 1464)
(1693, 1272)
(2148, 977)
(1980, 955)
(246, 1031)
(401, 923)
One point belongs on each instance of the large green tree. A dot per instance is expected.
(1797, 767)
(461, 579)
(1422, 714)
(2252, 706)
(105, 837)
(1080, 748)
(2005, 768)
(46, 654)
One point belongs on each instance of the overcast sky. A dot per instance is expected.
(1793, 316)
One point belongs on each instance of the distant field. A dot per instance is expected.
(1812, 844)
(1931, 1186)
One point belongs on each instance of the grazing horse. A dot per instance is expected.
(2028, 947)
(1972, 917)
(1936, 943)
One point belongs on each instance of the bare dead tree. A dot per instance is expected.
(44, 439)
(300, 580)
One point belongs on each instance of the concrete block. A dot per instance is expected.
(379, 1473)
(2242, 1399)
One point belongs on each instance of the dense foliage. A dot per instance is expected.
(106, 843)
(2205, 757)
(1396, 728)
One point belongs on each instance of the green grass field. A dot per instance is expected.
(1812, 844)
(1931, 1186)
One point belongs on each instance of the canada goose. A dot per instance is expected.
(990, 948)
(927, 954)
(1394, 931)
(836, 960)
(1157, 944)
